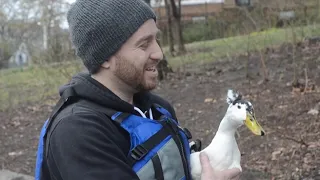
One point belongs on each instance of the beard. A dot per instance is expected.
(132, 75)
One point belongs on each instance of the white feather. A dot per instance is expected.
(231, 96)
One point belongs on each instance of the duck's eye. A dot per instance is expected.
(239, 107)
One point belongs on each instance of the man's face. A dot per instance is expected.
(135, 63)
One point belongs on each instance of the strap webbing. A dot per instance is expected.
(65, 99)
(174, 131)
(119, 119)
(158, 172)
(141, 150)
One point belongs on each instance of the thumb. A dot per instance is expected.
(234, 172)
(205, 162)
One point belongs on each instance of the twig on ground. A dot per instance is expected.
(306, 82)
(301, 141)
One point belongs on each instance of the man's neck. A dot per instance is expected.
(121, 90)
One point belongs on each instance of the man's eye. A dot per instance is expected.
(144, 45)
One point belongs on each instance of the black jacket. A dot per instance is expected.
(86, 144)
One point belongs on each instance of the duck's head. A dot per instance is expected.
(241, 112)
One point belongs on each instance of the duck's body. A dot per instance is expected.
(223, 151)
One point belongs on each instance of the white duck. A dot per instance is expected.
(223, 151)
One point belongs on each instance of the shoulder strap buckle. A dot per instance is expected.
(138, 152)
(195, 146)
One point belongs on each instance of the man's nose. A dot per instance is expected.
(156, 53)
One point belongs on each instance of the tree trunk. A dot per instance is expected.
(318, 3)
(180, 41)
(169, 27)
(176, 14)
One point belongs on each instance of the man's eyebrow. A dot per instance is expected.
(146, 37)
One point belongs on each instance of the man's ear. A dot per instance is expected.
(109, 63)
(106, 64)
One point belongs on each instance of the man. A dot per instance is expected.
(116, 40)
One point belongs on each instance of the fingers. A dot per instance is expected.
(209, 173)
(237, 177)
(205, 163)
(233, 173)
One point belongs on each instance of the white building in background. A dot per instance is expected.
(21, 58)
(159, 3)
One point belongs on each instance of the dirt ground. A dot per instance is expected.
(289, 114)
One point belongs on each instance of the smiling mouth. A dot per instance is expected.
(152, 69)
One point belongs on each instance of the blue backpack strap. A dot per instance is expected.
(65, 99)
(169, 127)
(162, 110)
(140, 151)
(180, 136)
(181, 140)
(165, 112)
(118, 117)
(39, 158)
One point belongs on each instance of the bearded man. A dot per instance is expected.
(107, 123)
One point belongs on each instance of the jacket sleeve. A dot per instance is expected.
(82, 147)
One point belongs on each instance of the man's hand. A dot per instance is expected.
(209, 174)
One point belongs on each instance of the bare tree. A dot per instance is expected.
(3, 20)
(34, 22)
(176, 14)
(52, 12)
(169, 27)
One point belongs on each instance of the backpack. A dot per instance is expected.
(159, 148)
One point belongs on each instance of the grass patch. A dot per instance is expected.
(240, 44)
(33, 84)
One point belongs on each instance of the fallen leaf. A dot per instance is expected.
(313, 112)
(15, 153)
(283, 106)
(275, 154)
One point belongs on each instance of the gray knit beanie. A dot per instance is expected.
(98, 28)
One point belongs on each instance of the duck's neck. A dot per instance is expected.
(225, 134)
(227, 127)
